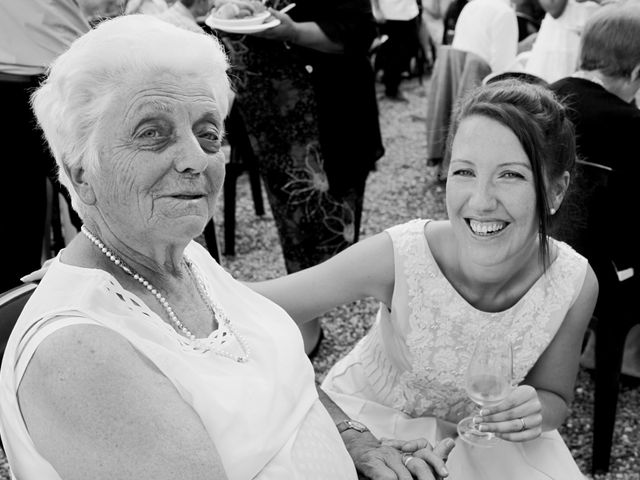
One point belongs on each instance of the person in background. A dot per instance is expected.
(491, 267)
(138, 356)
(489, 29)
(152, 7)
(32, 34)
(554, 53)
(399, 20)
(601, 95)
(314, 125)
(185, 13)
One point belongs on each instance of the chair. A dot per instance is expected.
(242, 159)
(616, 310)
(455, 72)
(11, 304)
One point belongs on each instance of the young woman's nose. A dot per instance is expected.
(483, 196)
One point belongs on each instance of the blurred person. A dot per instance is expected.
(185, 13)
(492, 266)
(489, 29)
(306, 95)
(151, 7)
(554, 53)
(138, 356)
(399, 20)
(32, 34)
(601, 95)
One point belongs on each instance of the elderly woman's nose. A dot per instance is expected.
(190, 156)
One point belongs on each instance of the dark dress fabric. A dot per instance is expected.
(312, 121)
(607, 133)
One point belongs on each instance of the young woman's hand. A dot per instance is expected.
(517, 419)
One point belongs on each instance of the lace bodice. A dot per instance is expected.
(415, 356)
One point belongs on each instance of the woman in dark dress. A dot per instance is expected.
(306, 95)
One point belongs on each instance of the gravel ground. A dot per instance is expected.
(401, 189)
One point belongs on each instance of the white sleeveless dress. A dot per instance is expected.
(263, 416)
(405, 378)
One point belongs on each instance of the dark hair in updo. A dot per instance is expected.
(540, 122)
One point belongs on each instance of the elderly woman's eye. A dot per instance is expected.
(149, 133)
(210, 140)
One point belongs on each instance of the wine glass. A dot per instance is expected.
(488, 382)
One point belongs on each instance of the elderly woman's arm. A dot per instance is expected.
(95, 408)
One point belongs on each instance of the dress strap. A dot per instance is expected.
(37, 332)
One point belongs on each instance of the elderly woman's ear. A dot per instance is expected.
(78, 176)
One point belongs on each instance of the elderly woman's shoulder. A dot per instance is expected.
(76, 357)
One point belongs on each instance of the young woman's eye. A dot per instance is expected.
(463, 172)
(511, 174)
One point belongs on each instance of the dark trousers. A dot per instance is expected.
(26, 163)
(396, 53)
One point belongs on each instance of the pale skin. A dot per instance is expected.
(490, 182)
(94, 407)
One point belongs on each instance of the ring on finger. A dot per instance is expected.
(524, 425)
(406, 458)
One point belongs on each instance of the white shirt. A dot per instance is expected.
(34, 32)
(488, 28)
(394, 9)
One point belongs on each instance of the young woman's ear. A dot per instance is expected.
(557, 192)
(80, 181)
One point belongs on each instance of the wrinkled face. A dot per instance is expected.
(491, 199)
(161, 166)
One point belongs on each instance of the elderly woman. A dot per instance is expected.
(138, 356)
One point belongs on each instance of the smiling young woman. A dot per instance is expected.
(490, 267)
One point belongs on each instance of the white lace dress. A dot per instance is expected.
(405, 378)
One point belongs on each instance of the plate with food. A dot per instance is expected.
(242, 29)
(240, 16)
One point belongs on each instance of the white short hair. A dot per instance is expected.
(82, 81)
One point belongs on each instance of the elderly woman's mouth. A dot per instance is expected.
(486, 228)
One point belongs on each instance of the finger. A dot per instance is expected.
(395, 463)
(393, 443)
(530, 408)
(443, 448)
(524, 436)
(416, 444)
(419, 468)
(433, 460)
(520, 395)
(516, 425)
(378, 469)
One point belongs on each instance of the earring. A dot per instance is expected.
(552, 211)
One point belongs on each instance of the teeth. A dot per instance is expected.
(486, 228)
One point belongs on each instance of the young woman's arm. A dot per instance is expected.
(365, 269)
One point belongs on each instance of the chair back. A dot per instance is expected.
(11, 304)
(591, 233)
(455, 72)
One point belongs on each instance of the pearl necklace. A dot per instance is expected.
(202, 345)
